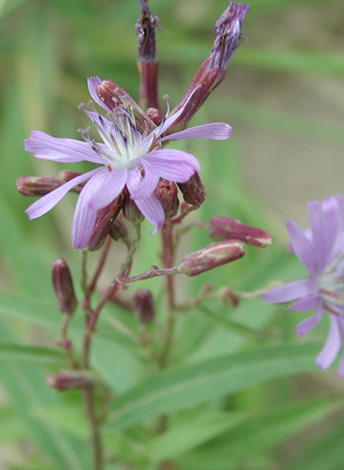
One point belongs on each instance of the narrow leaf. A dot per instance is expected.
(186, 437)
(30, 353)
(187, 386)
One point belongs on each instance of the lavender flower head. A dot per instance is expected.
(321, 250)
(126, 157)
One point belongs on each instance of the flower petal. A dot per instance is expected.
(301, 246)
(169, 121)
(152, 211)
(45, 146)
(92, 84)
(140, 186)
(213, 131)
(106, 188)
(320, 236)
(304, 304)
(291, 291)
(103, 188)
(173, 165)
(309, 323)
(334, 214)
(47, 202)
(329, 352)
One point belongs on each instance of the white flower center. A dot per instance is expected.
(122, 144)
(331, 286)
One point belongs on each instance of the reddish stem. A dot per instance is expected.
(100, 266)
(167, 261)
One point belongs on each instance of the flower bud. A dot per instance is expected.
(66, 176)
(37, 185)
(144, 305)
(63, 287)
(225, 228)
(167, 193)
(130, 210)
(118, 231)
(146, 57)
(64, 343)
(193, 190)
(211, 256)
(66, 380)
(103, 223)
(115, 96)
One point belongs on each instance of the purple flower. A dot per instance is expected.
(321, 250)
(126, 158)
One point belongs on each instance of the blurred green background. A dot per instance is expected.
(283, 96)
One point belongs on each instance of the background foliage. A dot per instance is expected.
(232, 392)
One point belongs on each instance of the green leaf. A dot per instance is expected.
(25, 386)
(269, 429)
(66, 417)
(325, 451)
(109, 342)
(258, 434)
(14, 428)
(30, 353)
(185, 437)
(196, 383)
(6, 6)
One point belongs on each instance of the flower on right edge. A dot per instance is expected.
(321, 250)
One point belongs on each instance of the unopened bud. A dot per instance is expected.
(66, 380)
(211, 257)
(212, 71)
(144, 305)
(193, 190)
(167, 193)
(130, 210)
(146, 57)
(116, 97)
(103, 223)
(63, 287)
(118, 231)
(37, 185)
(64, 343)
(225, 228)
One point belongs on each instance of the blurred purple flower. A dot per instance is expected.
(127, 158)
(321, 250)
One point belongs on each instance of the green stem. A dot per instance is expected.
(96, 445)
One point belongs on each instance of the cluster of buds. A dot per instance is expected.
(234, 235)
